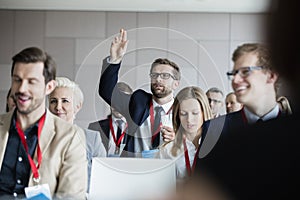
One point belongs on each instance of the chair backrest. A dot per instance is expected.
(132, 178)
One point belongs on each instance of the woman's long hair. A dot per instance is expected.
(191, 92)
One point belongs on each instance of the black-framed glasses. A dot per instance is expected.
(164, 76)
(243, 72)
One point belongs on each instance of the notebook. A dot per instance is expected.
(117, 178)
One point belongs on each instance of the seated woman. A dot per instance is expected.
(65, 101)
(190, 109)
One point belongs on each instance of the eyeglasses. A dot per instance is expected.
(215, 101)
(243, 72)
(164, 76)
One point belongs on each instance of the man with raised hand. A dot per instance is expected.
(139, 108)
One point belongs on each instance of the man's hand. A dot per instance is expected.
(118, 47)
(168, 133)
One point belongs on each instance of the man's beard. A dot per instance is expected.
(33, 106)
(160, 93)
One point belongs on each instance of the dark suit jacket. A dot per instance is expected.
(215, 130)
(135, 107)
(259, 161)
(103, 127)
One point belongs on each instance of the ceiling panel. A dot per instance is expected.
(227, 6)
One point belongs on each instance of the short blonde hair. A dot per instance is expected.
(67, 83)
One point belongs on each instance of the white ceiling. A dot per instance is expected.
(227, 6)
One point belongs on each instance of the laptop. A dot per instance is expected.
(115, 178)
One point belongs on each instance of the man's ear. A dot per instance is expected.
(272, 77)
(175, 84)
(50, 86)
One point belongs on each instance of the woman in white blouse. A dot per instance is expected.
(190, 109)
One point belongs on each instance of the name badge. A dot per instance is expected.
(149, 153)
(40, 192)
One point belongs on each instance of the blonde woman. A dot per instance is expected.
(190, 109)
(65, 101)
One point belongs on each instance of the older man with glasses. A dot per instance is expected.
(216, 102)
(254, 83)
(141, 109)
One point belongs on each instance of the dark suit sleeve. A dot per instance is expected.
(108, 90)
(135, 107)
(108, 80)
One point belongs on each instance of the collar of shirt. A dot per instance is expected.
(252, 118)
(29, 132)
(115, 122)
(166, 107)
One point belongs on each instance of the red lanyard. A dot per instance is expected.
(187, 159)
(155, 133)
(113, 133)
(34, 168)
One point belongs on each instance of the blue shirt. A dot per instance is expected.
(15, 169)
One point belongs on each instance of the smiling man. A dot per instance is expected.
(261, 161)
(254, 83)
(36, 147)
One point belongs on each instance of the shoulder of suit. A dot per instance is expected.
(141, 93)
(140, 98)
(6, 118)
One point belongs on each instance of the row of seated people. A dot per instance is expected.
(253, 80)
(193, 134)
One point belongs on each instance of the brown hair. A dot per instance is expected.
(263, 55)
(165, 61)
(7, 97)
(34, 55)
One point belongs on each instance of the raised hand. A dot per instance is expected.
(118, 47)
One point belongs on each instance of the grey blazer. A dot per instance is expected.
(95, 148)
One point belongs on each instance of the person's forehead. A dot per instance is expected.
(189, 104)
(247, 59)
(231, 98)
(162, 68)
(214, 95)
(29, 70)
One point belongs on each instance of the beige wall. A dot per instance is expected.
(201, 43)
